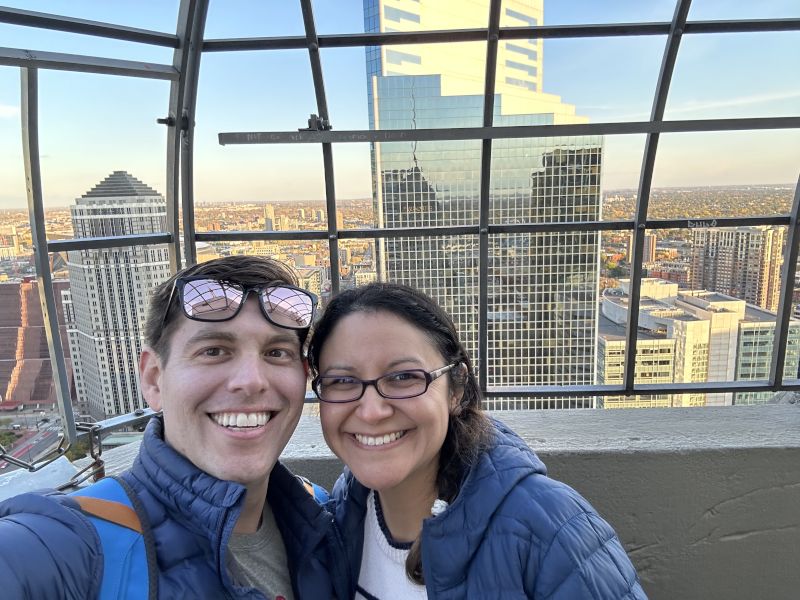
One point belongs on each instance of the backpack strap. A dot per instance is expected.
(108, 510)
(130, 571)
(317, 491)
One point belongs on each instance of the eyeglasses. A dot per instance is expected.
(394, 386)
(206, 299)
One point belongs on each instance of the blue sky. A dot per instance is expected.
(94, 124)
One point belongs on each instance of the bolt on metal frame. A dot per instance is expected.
(189, 43)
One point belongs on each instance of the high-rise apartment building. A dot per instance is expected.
(109, 287)
(672, 344)
(690, 336)
(743, 262)
(649, 252)
(542, 306)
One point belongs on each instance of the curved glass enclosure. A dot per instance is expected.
(606, 204)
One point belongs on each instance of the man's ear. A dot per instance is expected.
(150, 377)
(306, 368)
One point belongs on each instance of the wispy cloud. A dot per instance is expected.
(614, 112)
(693, 106)
(8, 112)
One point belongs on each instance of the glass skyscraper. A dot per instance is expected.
(543, 287)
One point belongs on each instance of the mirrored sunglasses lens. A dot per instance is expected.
(288, 307)
(211, 300)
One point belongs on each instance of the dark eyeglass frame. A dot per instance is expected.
(180, 284)
(430, 377)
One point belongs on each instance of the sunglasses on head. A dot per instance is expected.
(203, 298)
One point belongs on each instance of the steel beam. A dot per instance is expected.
(109, 242)
(349, 40)
(323, 123)
(33, 182)
(38, 59)
(788, 272)
(643, 195)
(507, 132)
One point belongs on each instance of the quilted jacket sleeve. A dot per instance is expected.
(585, 560)
(47, 551)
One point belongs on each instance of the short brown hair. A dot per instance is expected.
(248, 270)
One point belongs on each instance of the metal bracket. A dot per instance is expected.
(316, 124)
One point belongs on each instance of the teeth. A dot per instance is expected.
(368, 440)
(233, 419)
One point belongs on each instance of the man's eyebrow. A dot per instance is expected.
(284, 338)
(205, 335)
(215, 335)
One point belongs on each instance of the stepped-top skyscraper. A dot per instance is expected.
(543, 288)
(109, 287)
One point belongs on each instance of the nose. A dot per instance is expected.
(372, 407)
(248, 376)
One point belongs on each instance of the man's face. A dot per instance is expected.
(231, 393)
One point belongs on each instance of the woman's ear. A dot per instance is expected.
(457, 385)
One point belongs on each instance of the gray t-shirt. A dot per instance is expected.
(259, 559)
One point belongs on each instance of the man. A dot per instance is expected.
(223, 363)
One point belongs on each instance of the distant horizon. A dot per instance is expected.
(351, 199)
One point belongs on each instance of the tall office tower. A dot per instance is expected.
(269, 218)
(743, 262)
(649, 254)
(109, 289)
(542, 305)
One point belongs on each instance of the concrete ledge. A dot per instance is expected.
(705, 500)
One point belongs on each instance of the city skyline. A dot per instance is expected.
(112, 120)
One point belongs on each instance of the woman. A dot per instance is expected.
(438, 500)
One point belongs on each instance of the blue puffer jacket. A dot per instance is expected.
(511, 533)
(48, 549)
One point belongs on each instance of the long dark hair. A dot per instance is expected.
(468, 429)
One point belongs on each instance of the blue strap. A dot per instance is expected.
(125, 575)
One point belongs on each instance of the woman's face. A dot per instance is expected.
(386, 443)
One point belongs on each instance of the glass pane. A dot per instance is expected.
(237, 92)
(542, 313)
(724, 9)
(428, 184)
(426, 86)
(573, 12)
(91, 126)
(12, 170)
(725, 174)
(621, 171)
(346, 88)
(332, 17)
(446, 268)
(353, 181)
(244, 18)
(161, 16)
(710, 70)
(708, 306)
(545, 180)
(246, 178)
(157, 15)
(617, 84)
(26, 376)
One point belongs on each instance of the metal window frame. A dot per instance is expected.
(189, 44)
